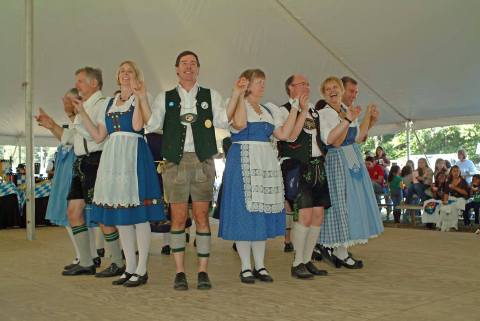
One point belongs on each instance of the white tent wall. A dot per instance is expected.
(417, 60)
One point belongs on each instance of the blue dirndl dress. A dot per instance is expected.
(353, 217)
(127, 190)
(57, 201)
(252, 207)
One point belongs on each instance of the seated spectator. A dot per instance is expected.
(376, 175)
(431, 213)
(382, 159)
(454, 200)
(440, 166)
(466, 166)
(422, 180)
(407, 177)
(396, 192)
(475, 203)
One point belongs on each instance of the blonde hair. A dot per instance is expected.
(331, 79)
(136, 69)
(250, 75)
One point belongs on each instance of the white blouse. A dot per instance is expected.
(329, 119)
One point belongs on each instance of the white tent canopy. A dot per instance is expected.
(418, 60)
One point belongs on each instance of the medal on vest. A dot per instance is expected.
(204, 105)
(189, 118)
(171, 104)
(314, 114)
(208, 123)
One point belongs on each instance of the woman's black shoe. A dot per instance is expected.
(317, 254)
(250, 279)
(262, 277)
(356, 264)
(122, 279)
(141, 279)
(97, 261)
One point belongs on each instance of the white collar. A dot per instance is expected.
(93, 99)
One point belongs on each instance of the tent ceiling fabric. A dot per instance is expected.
(419, 57)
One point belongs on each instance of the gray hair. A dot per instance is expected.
(92, 73)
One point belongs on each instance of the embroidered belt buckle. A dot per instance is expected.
(189, 118)
(309, 124)
(160, 167)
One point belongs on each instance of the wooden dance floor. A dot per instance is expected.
(408, 275)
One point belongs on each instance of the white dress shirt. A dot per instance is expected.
(95, 106)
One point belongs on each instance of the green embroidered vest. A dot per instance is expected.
(174, 131)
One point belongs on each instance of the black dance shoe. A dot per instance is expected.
(112, 270)
(70, 266)
(301, 272)
(180, 283)
(262, 277)
(80, 270)
(357, 264)
(203, 281)
(97, 261)
(124, 278)
(166, 250)
(314, 270)
(288, 247)
(249, 279)
(101, 252)
(316, 254)
(141, 279)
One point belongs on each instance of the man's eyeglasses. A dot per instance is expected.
(303, 84)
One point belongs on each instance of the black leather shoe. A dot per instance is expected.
(262, 277)
(301, 272)
(124, 278)
(249, 279)
(112, 270)
(68, 267)
(314, 270)
(234, 247)
(101, 252)
(80, 270)
(203, 281)
(355, 266)
(180, 282)
(97, 261)
(166, 250)
(327, 254)
(141, 279)
(288, 247)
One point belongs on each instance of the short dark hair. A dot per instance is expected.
(346, 80)
(186, 53)
(92, 73)
(370, 159)
(288, 82)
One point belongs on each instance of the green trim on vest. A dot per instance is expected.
(174, 131)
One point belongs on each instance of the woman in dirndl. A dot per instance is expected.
(252, 207)
(353, 217)
(127, 191)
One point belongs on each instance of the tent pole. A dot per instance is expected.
(407, 128)
(28, 85)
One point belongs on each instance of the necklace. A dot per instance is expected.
(257, 109)
(124, 100)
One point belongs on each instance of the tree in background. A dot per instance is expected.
(438, 140)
